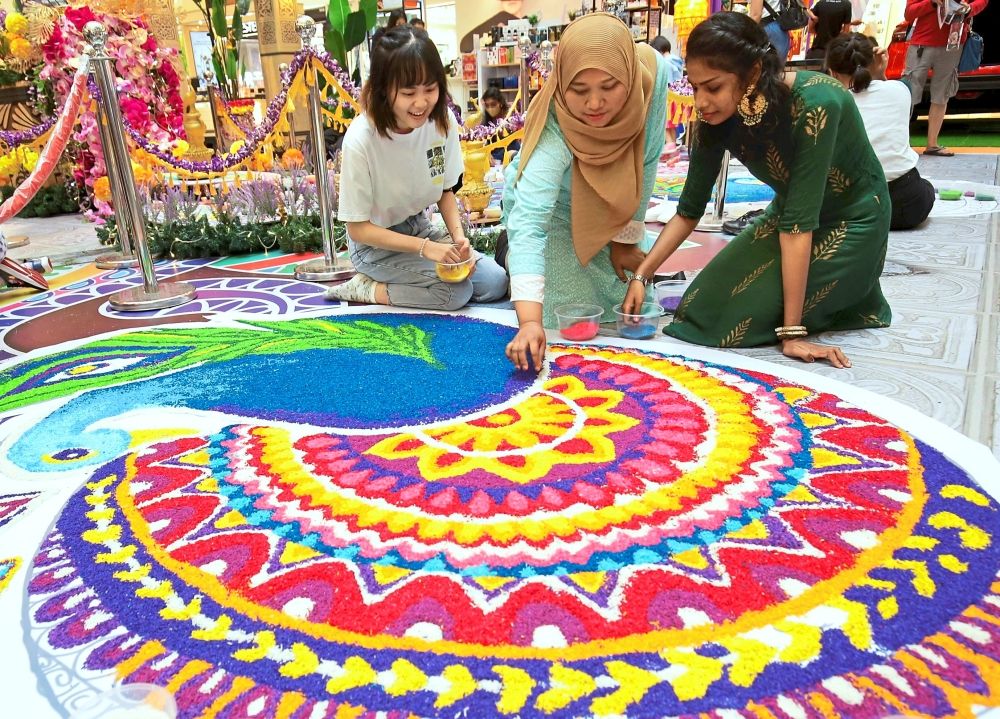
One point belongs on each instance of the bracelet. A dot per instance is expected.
(422, 246)
(640, 278)
(790, 332)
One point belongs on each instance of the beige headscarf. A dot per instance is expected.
(607, 164)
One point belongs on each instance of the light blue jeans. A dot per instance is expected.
(412, 281)
(779, 38)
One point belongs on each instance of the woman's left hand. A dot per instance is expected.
(625, 257)
(810, 352)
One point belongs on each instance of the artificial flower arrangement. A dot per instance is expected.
(17, 53)
(57, 196)
(147, 82)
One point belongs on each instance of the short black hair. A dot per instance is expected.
(417, 22)
(403, 57)
(660, 44)
(394, 17)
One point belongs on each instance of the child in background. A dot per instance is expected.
(400, 155)
(494, 107)
(675, 70)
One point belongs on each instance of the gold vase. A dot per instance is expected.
(476, 192)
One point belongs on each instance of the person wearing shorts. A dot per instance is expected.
(929, 51)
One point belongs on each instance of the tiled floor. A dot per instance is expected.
(942, 354)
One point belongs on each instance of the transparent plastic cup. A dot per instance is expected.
(455, 272)
(669, 293)
(130, 701)
(639, 325)
(579, 322)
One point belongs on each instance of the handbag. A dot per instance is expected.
(792, 15)
(972, 52)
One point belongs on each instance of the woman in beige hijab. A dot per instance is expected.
(576, 195)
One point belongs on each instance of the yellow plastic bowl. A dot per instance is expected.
(455, 272)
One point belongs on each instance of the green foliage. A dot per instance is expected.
(370, 10)
(218, 15)
(333, 40)
(345, 30)
(355, 29)
(190, 238)
(226, 36)
(484, 239)
(337, 12)
(58, 199)
(9, 77)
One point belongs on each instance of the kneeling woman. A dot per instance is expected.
(812, 261)
(576, 194)
(402, 154)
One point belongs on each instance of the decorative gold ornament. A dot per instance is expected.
(194, 128)
(41, 22)
(752, 106)
(476, 192)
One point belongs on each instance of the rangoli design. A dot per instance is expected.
(8, 567)
(14, 505)
(351, 513)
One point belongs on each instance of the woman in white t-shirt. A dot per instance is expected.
(854, 60)
(400, 155)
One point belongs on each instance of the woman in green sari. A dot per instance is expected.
(812, 261)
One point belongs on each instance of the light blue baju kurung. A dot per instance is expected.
(536, 213)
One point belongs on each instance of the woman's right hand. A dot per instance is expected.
(811, 351)
(443, 252)
(635, 295)
(528, 346)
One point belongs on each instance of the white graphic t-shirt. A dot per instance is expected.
(385, 180)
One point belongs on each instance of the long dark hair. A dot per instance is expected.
(404, 57)
(852, 54)
(733, 43)
(493, 93)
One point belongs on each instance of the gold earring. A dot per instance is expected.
(698, 116)
(752, 110)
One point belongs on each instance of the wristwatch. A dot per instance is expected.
(642, 279)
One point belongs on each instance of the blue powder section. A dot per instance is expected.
(330, 387)
(738, 189)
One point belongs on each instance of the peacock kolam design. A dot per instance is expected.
(629, 533)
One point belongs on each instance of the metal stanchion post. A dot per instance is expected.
(125, 258)
(545, 56)
(330, 267)
(524, 77)
(151, 296)
(713, 222)
(210, 90)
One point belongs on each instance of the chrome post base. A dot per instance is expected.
(167, 294)
(711, 223)
(115, 260)
(319, 270)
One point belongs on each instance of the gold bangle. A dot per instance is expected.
(640, 278)
(791, 328)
